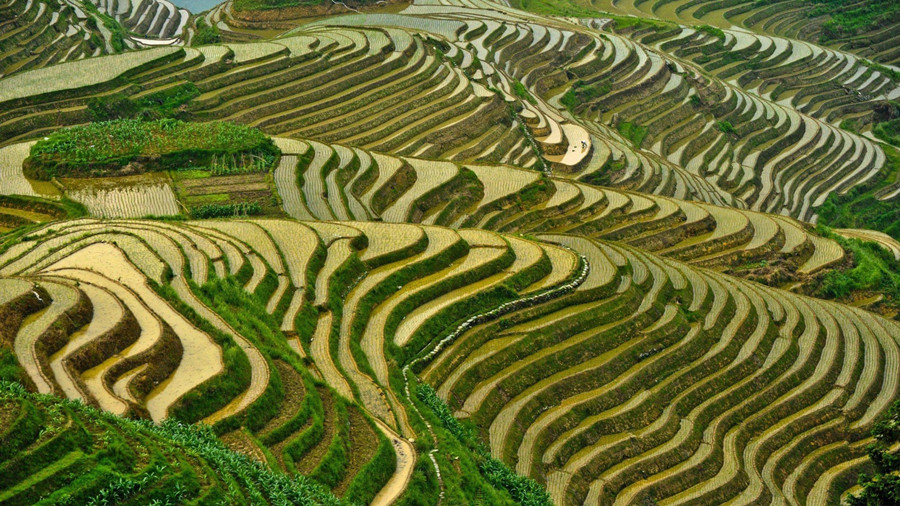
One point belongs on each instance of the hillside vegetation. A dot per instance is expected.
(124, 147)
(865, 28)
(82, 455)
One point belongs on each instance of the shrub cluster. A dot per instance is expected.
(882, 487)
(711, 30)
(876, 270)
(206, 33)
(850, 18)
(105, 148)
(860, 206)
(118, 33)
(582, 92)
(522, 92)
(725, 127)
(166, 103)
(634, 132)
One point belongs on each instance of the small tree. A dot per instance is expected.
(882, 488)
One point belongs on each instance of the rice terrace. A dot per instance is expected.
(450, 252)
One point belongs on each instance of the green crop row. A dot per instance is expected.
(247, 315)
(226, 210)
(372, 477)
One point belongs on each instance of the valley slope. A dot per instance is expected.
(531, 253)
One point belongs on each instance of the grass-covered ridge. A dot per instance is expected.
(125, 146)
(66, 452)
(233, 337)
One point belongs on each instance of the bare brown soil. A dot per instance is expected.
(13, 314)
(25, 215)
(228, 188)
(775, 273)
(162, 359)
(363, 443)
(238, 188)
(96, 183)
(397, 185)
(294, 391)
(240, 442)
(315, 454)
(222, 181)
(58, 334)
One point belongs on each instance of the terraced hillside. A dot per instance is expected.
(354, 184)
(729, 118)
(38, 33)
(647, 416)
(144, 326)
(140, 341)
(341, 85)
(18, 213)
(317, 181)
(730, 135)
(158, 21)
(786, 381)
(35, 34)
(863, 28)
(509, 252)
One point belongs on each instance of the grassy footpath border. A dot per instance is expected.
(522, 489)
(875, 270)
